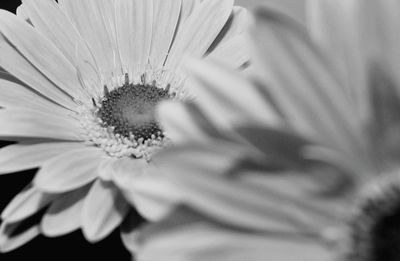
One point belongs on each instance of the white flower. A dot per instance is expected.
(301, 160)
(88, 76)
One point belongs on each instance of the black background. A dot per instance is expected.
(70, 247)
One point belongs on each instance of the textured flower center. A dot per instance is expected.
(130, 110)
(375, 228)
(121, 121)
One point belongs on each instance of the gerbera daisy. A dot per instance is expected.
(299, 162)
(88, 75)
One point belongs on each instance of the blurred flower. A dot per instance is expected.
(89, 75)
(299, 161)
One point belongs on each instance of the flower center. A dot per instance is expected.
(121, 121)
(130, 110)
(375, 227)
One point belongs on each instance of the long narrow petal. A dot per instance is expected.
(215, 190)
(134, 23)
(26, 203)
(69, 171)
(63, 215)
(145, 188)
(97, 28)
(233, 52)
(304, 84)
(169, 239)
(24, 156)
(29, 123)
(103, 210)
(229, 95)
(166, 16)
(21, 68)
(237, 24)
(197, 127)
(16, 95)
(52, 22)
(331, 26)
(199, 31)
(45, 56)
(10, 241)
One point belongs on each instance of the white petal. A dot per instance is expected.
(15, 95)
(23, 156)
(103, 210)
(233, 200)
(21, 12)
(19, 123)
(145, 188)
(188, 6)
(332, 27)
(9, 242)
(70, 170)
(224, 97)
(304, 85)
(196, 128)
(166, 16)
(134, 23)
(45, 57)
(193, 239)
(26, 203)
(48, 18)
(233, 52)
(63, 215)
(95, 21)
(199, 31)
(20, 67)
(237, 24)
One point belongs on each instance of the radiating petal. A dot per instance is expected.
(52, 22)
(21, 12)
(69, 170)
(312, 98)
(206, 175)
(217, 89)
(165, 20)
(188, 6)
(103, 210)
(199, 31)
(63, 215)
(196, 128)
(334, 31)
(21, 123)
(16, 95)
(9, 241)
(20, 67)
(185, 236)
(24, 156)
(97, 28)
(233, 52)
(26, 203)
(134, 23)
(145, 188)
(45, 57)
(237, 24)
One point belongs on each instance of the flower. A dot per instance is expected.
(81, 107)
(299, 161)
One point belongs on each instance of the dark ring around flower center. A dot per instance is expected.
(375, 229)
(130, 110)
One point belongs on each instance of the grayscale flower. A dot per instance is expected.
(88, 75)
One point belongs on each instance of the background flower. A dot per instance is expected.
(70, 62)
(302, 158)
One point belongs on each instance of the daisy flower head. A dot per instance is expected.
(300, 160)
(83, 79)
